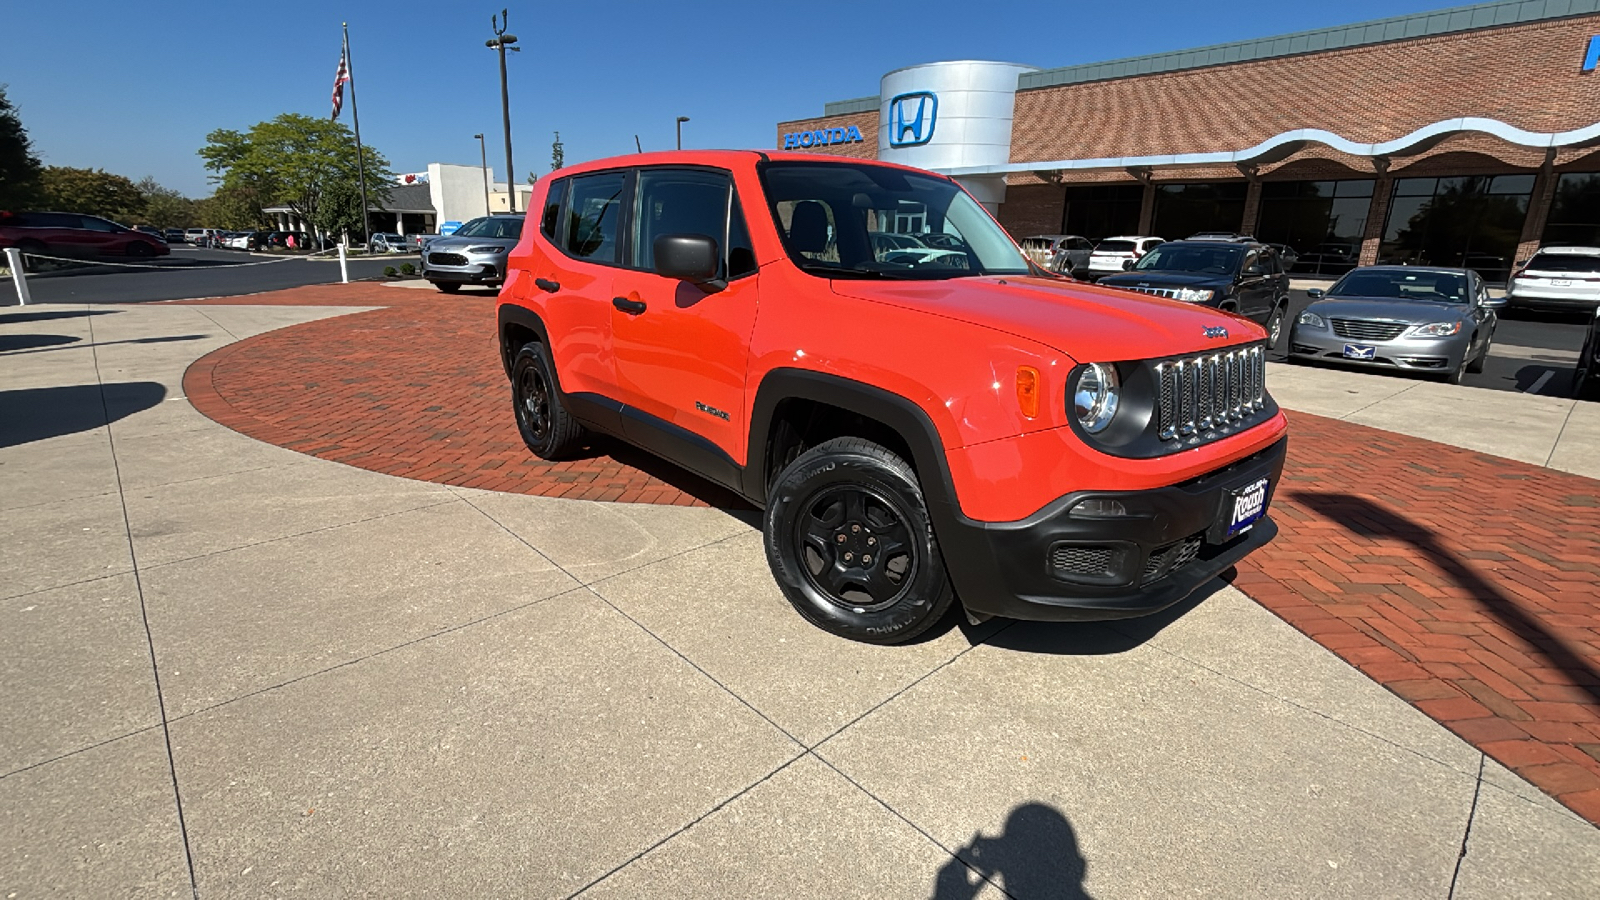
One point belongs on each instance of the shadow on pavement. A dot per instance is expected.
(7, 318)
(1361, 516)
(55, 344)
(1096, 638)
(10, 342)
(35, 414)
(1036, 855)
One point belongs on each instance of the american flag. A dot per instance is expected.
(339, 81)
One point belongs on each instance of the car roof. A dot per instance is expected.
(1435, 270)
(728, 159)
(1573, 251)
(1130, 237)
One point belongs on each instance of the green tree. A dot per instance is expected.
(165, 207)
(235, 208)
(19, 168)
(92, 191)
(340, 210)
(293, 161)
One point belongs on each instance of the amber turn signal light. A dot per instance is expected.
(1028, 391)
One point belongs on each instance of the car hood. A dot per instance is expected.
(1087, 323)
(1158, 278)
(451, 242)
(1416, 312)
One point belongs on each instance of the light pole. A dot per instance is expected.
(503, 42)
(681, 120)
(483, 156)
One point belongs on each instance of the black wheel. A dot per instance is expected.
(1476, 366)
(851, 546)
(140, 249)
(1275, 327)
(547, 428)
(449, 287)
(1454, 376)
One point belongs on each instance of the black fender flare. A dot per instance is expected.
(512, 314)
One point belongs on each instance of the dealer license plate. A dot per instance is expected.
(1360, 351)
(1561, 282)
(1249, 503)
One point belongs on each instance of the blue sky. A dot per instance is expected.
(133, 88)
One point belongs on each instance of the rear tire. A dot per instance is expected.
(547, 427)
(851, 544)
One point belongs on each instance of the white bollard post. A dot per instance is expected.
(14, 260)
(344, 270)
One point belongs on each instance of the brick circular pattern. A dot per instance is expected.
(415, 389)
(1467, 584)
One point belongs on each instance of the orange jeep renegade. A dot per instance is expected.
(924, 415)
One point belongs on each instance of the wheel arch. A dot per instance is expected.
(519, 325)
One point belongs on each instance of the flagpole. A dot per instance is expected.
(355, 118)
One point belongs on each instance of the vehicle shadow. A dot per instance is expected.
(1091, 638)
(1035, 857)
(1364, 518)
(36, 414)
(12, 318)
(701, 489)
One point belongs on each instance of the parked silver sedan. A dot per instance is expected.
(1414, 318)
(474, 254)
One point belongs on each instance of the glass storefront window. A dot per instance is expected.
(1470, 220)
(1100, 211)
(1575, 213)
(1185, 209)
(1322, 220)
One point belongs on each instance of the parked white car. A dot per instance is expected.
(1111, 255)
(1557, 277)
(386, 242)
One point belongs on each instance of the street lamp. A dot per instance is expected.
(681, 120)
(503, 42)
(483, 157)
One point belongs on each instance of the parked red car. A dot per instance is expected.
(922, 429)
(75, 236)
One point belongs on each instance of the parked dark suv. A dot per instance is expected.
(1230, 273)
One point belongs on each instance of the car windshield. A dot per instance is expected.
(1115, 247)
(843, 220)
(1210, 259)
(1438, 287)
(1564, 262)
(492, 227)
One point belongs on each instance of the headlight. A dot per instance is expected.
(1191, 295)
(1437, 329)
(1310, 318)
(486, 249)
(1094, 397)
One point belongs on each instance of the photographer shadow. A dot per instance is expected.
(1035, 857)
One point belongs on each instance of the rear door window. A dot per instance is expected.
(594, 215)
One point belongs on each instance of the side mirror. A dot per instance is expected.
(1493, 302)
(1127, 265)
(1316, 293)
(1251, 271)
(689, 257)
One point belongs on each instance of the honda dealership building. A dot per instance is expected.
(1467, 136)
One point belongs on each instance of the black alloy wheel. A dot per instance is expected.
(851, 545)
(546, 426)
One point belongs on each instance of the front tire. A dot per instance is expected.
(1476, 366)
(851, 544)
(1275, 328)
(448, 287)
(547, 427)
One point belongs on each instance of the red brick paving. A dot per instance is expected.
(1468, 585)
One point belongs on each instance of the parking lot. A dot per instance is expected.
(484, 678)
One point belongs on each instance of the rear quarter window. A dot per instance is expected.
(1115, 247)
(1564, 262)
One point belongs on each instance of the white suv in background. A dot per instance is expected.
(1111, 255)
(1559, 277)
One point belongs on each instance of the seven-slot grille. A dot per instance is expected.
(447, 259)
(1171, 293)
(1367, 329)
(1210, 392)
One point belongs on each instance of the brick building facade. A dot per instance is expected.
(1461, 137)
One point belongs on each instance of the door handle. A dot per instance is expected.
(631, 307)
(546, 285)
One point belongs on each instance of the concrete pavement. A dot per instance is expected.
(292, 677)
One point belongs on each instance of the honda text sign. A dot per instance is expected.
(911, 118)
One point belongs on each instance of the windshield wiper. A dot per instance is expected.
(830, 271)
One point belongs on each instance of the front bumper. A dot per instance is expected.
(1169, 545)
(1439, 355)
(476, 268)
